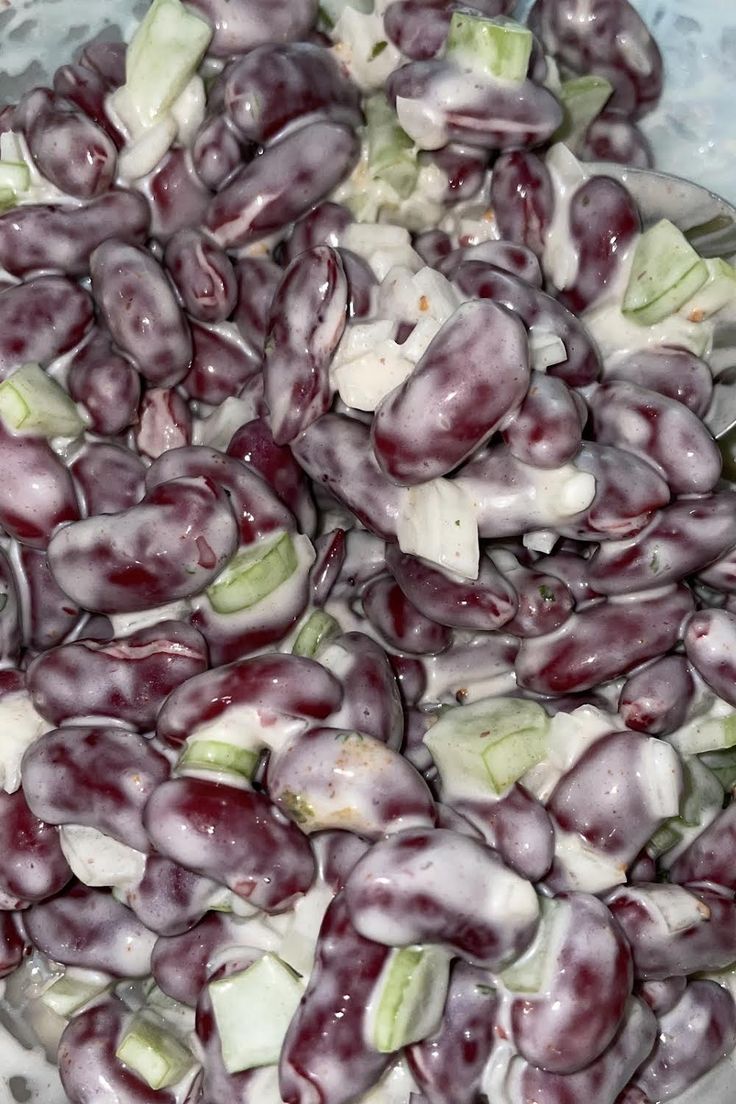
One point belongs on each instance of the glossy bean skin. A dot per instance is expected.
(613, 137)
(107, 385)
(324, 1056)
(235, 837)
(675, 373)
(419, 29)
(448, 1066)
(11, 627)
(708, 859)
(512, 257)
(659, 430)
(493, 116)
(604, 222)
(41, 320)
(518, 827)
(603, 642)
(48, 615)
(203, 275)
(323, 225)
(33, 866)
(129, 678)
(222, 364)
(274, 85)
(399, 621)
(181, 964)
(106, 58)
(257, 280)
(469, 670)
(657, 699)
(94, 776)
(306, 321)
(336, 854)
(243, 24)
(330, 549)
(109, 478)
(397, 895)
(88, 928)
(170, 546)
(253, 443)
(708, 942)
(164, 422)
(371, 699)
(693, 1036)
(590, 39)
(69, 149)
(709, 643)
(662, 996)
(62, 239)
(87, 89)
(522, 198)
(546, 429)
(464, 169)
(484, 605)
(170, 900)
(141, 312)
(572, 568)
(37, 492)
(176, 196)
(11, 943)
(433, 246)
(544, 602)
(456, 396)
(217, 151)
(536, 310)
(282, 183)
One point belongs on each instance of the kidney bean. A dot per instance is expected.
(11, 627)
(32, 866)
(176, 196)
(306, 321)
(240, 25)
(456, 396)
(69, 149)
(203, 275)
(236, 837)
(613, 137)
(538, 312)
(662, 996)
(164, 422)
(433, 246)
(371, 701)
(657, 699)
(222, 364)
(522, 198)
(675, 373)
(438, 886)
(217, 151)
(41, 320)
(253, 443)
(709, 643)
(170, 900)
(572, 568)
(257, 280)
(518, 827)
(544, 601)
(470, 670)
(546, 429)
(721, 575)
(282, 183)
(36, 492)
(336, 854)
(106, 58)
(604, 222)
(99, 777)
(141, 312)
(89, 928)
(664, 941)
(171, 545)
(709, 858)
(181, 964)
(87, 90)
(48, 615)
(12, 943)
(110, 478)
(106, 384)
(399, 621)
(509, 256)
(464, 168)
(418, 29)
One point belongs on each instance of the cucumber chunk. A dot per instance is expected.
(315, 633)
(253, 574)
(32, 402)
(498, 47)
(583, 99)
(410, 997)
(154, 1053)
(253, 1010)
(392, 155)
(666, 273)
(717, 292)
(215, 755)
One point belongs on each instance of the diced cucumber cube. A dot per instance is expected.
(154, 1053)
(317, 631)
(214, 755)
(7, 199)
(253, 1010)
(253, 574)
(705, 734)
(15, 177)
(331, 10)
(67, 995)
(410, 997)
(717, 292)
(583, 99)
(498, 47)
(530, 972)
(32, 402)
(392, 155)
(666, 273)
(723, 765)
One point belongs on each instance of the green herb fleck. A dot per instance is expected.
(485, 990)
(457, 522)
(377, 50)
(298, 808)
(548, 595)
(654, 562)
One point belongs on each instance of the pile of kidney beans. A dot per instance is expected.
(122, 293)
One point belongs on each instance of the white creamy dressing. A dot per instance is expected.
(98, 860)
(20, 726)
(560, 260)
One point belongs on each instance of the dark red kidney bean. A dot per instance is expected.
(659, 430)
(323, 225)
(433, 246)
(106, 384)
(62, 239)
(424, 886)
(330, 550)
(203, 275)
(632, 1095)
(222, 363)
(176, 196)
(217, 1084)
(546, 430)
(572, 568)
(41, 320)
(141, 312)
(95, 776)
(456, 396)
(511, 257)
(693, 1036)
(236, 837)
(662, 996)
(535, 309)
(32, 866)
(164, 422)
(257, 279)
(371, 702)
(485, 604)
(470, 668)
(253, 443)
(282, 183)
(361, 283)
(89, 1067)
(170, 900)
(275, 85)
(464, 168)
(681, 540)
(399, 621)
(518, 827)
(257, 509)
(69, 149)
(335, 451)
(603, 641)
(544, 602)
(306, 321)
(289, 685)
(110, 478)
(240, 25)
(614, 137)
(602, 1080)
(87, 90)
(494, 116)
(107, 59)
(171, 545)
(657, 699)
(89, 928)
(709, 858)
(609, 38)
(48, 615)
(128, 678)
(448, 1066)
(325, 1056)
(675, 373)
(522, 198)
(11, 625)
(337, 853)
(418, 28)
(36, 493)
(181, 964)
(707, 943)
(721, 575)
(12, 944)
(604, 221)
(217, 151)
(710, 641)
